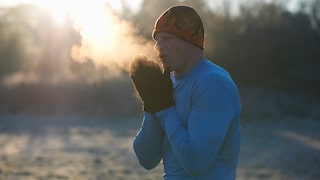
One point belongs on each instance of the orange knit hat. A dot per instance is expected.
(182, 21)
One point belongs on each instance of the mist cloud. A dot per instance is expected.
(106, 46)
(113, 45)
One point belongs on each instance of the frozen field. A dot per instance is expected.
(79, 147)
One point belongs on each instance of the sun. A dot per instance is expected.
(92, 19)
(78, 9)
(59, 16)
(61, 10)
(115, 4)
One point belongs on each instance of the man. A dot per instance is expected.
(191, 110)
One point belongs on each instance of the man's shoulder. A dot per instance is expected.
(213, 72)
(214, 75)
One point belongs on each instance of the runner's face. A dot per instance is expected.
(171, 51)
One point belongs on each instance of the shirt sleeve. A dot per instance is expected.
(148, 142)
(212, 111)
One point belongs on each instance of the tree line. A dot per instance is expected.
(264, 45)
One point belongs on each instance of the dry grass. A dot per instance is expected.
(77, 147)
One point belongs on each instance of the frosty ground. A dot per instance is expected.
(83, 147)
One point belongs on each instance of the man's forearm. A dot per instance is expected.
(148, 142)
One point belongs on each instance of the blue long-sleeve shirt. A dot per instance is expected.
(198, 138)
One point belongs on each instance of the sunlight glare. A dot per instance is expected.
(115, 4)
(106, 39)
(59, 16)
(96, 23)
(58, 9)
(99, 29)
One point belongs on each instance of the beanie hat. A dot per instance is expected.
(182, 21)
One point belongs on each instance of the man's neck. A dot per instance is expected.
(194, 59)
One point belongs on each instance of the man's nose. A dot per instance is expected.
(158, 45)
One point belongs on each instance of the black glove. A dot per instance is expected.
(154, 87)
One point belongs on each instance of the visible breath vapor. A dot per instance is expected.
(106, 40)
(113, 45)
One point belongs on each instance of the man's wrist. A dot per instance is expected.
(163, 114)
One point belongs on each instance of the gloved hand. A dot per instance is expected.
(154, 87)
